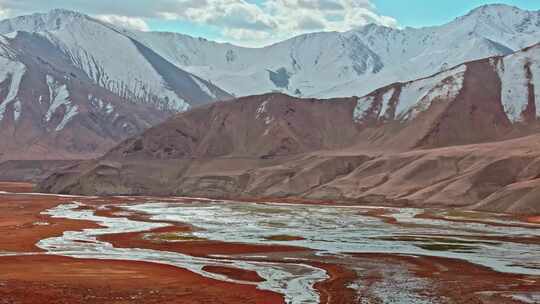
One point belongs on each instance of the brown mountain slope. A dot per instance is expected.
(482, 175)
(258, 126)
(445, 140)
(31, 171)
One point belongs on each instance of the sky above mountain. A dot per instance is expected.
(259, 22)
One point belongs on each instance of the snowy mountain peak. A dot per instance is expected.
(504, 17)
(73, 86)
(53, 20)
(102, 53)
(353, 63)
(491, 9)
(324, 64)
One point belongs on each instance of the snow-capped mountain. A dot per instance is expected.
(50, 109)
(115, 61)
(332, 64)
(483, 100)
(72, 86)
(326, 64)
(75, 86)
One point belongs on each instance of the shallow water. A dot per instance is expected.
(335, 230)
(294, 281)
(329, 230)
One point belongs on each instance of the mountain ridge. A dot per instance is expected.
(76, 90)
(362, 43)
(450, 140)
(88, 42)
(340, 64)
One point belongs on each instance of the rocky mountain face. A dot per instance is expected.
(455, 138)
(73, 87)
(354, 63)
(115, 61)
(479, 101)
(464, 134)
(263, 126)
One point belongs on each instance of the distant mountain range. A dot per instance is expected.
(72, 86)
(353, 63)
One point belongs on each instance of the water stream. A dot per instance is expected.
(336, 230)
(328, 230)
(294, 281)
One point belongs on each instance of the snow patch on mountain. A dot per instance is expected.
(414, 96)
(362, 106)
(109, 109)
(514, 83)
(519, 75)
(14, 72)
(17, 110)
(5, 50)
(58, 97)
(262, 113)
(517, 72)
(386, 102)
(203, 87)
(98, 104)
(176, 104)
(261, 110)
(418, 95)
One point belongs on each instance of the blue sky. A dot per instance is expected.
(260, 22)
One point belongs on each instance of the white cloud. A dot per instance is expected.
(327, 15)
(5, 12)
(275, 20)
(245, 36)
(238, 21)
(231, 14)
(125, 21)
